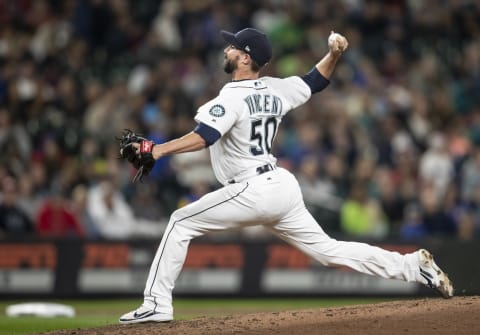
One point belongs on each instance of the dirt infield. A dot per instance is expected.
(458, 316)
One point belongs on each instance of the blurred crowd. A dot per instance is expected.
(391, 149)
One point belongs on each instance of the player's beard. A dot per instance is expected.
(230, 65)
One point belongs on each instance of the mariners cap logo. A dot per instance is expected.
(217, 110)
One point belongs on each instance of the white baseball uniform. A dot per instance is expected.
(247, 113)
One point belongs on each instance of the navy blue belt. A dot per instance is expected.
(265, 168)
(259, 170)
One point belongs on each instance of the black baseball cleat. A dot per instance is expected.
(432, 276)
(143, 314)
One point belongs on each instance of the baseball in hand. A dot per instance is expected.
(337, 43)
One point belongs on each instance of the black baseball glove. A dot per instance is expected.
(141, 158)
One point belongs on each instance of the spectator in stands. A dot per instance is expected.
(436, 166)
(466, 228)
(192, 168)
(14, 142)
(14, 221)
(319, 193)
(29, 199)
(412, 227)
(470, 174)
(114, 216)
(388, 195)
(362, 215)
(435, 218)
(110, 212)
(79, 207)
(145, 203)
(56, 218)
(336, 171)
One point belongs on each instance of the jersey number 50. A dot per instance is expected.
(262, 134)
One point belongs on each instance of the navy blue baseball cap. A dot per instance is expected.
(253, 42)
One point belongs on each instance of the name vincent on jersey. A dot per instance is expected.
(264, 104)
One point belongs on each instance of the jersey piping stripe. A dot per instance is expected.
(173, 225)
(258, 89)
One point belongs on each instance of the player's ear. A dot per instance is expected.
(246, 59)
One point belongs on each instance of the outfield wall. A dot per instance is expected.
(77, 268)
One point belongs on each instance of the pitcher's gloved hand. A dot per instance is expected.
(138, 151)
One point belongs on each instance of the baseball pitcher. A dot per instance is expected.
(239, 127)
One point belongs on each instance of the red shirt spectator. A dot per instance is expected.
(55, 219)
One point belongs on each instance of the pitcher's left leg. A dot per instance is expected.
(228, 207)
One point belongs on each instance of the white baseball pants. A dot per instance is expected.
(273, 199)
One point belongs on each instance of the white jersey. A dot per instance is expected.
(247, 114)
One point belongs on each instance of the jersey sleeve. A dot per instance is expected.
(219, 113)
(295, 90)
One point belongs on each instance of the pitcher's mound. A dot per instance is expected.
(457, 316)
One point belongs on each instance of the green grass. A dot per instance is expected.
(95, 313)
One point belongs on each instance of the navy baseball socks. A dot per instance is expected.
(431, 275)
(143, 314)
